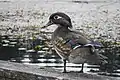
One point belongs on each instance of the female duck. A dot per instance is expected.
(72, 46)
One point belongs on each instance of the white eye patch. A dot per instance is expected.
(57, 17)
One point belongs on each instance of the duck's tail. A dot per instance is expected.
(97, 58)
(102, 59)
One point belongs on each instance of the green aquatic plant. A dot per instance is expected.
(37, 48)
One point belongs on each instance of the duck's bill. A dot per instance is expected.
(48, 24)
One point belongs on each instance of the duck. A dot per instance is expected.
(72, 45)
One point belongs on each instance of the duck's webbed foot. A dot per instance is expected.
(81, 71)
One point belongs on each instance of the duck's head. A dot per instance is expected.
(61, 19)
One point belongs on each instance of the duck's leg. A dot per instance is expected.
(81, 71)
(64, 66)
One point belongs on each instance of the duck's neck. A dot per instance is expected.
(60, 31)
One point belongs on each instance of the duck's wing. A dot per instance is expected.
(70, 40)
(66, 43)
(77, 38)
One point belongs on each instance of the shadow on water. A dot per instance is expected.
(36, 52)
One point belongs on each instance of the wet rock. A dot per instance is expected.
(17, 71)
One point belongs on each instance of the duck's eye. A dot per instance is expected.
(57, 17)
